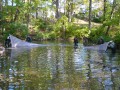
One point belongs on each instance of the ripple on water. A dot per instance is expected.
(60, 66)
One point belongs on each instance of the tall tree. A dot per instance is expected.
(64, 7)
(57, 15)
(111, 14)
(69, 9)
(6, 2)
(1, 5)
(104, 12)
(12, 11)
(1, 13)
(90, 10)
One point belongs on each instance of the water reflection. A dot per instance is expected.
(59, 67)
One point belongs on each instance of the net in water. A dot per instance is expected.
(100, 47)
(16, 42)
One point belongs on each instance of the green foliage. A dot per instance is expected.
(113, 21)
(117, 35)
(39, 35)
(70, 30)
(16, 28)
(96, 33)
(117, 38)
(97, 19)
(65, 29)
(60, 26)
(41, 24)
(52, 35)
(74, 30)
(46, 29)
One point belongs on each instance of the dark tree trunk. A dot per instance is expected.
(104, 17)
(36, 13)
(6, 2)
(113, 8)
(16, 15)
(57, 9)
(70, 10)
(11, 12)
(65, 7)
(90, 9)
(1, 5)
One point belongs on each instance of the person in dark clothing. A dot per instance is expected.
(75, 41)
(100, 41)
(28, 39)
(7, 42)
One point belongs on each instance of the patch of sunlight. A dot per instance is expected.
(83, 22)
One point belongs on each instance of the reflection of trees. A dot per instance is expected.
(10, 72)
(64, 75)
(56, 71)
(3, 70)
(36, 72)
(92, 82)
(117, 74)
(37, 80)
(15, 74)
(108, 78)
(56, 68)
(59, 54)
(38, 75)
(69, 67)
(89, 75)
(113, 65)
(16, 62)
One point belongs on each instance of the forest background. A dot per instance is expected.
(60, 19)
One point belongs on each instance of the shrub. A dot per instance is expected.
(117, 37)
(52, 35)
(18, 29)
(41, 24)
(39, 36)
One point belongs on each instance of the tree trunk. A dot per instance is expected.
(65, 7)
(11, 12)
(90, 9)
(70, 10)
(12, 2)
(57, 9)
(1, 18)
(0, 5)
(6, 2)
(113, 8)
(28, 13)
(16, 15)
(104, 12)
(36, 12)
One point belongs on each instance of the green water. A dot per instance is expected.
(57, 66)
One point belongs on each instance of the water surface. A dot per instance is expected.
(59, 66)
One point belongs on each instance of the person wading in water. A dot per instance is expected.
(75, 41)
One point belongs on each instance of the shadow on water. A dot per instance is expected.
(59, 67)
